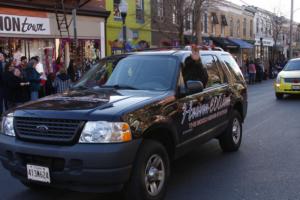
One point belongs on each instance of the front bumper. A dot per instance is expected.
(81, 167)
(286, 88)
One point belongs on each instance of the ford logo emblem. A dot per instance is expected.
(42, 128)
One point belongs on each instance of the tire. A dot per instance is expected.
(231, 139)
(151, 161)
(279, 96)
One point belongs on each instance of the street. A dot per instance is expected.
(266, 166)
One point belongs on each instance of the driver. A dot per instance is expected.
(194, 69)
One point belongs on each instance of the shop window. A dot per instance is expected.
(140, 11)
(117, 12)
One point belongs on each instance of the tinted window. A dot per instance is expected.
(221, 72)
(233, 66)
(133, 72)
(145, 72)
(210, 64)
(292, 65)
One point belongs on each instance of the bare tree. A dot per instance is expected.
(277, 22)
(176, 16)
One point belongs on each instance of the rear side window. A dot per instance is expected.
(233, 67)
(214, 77)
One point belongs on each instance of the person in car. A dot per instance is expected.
(194, 69)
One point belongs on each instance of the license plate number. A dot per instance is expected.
(296, 87)
(38, 173)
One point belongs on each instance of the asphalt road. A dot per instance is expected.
(265, 168)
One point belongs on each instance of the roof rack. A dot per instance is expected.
(178, 48)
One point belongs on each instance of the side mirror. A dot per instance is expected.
(194, 87)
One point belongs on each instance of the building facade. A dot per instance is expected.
(31, 29)
(164, 31)
(138, 26)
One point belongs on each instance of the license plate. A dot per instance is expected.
(38, 173)
(296, 87)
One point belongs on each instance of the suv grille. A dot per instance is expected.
(292, 80)
(48, 130)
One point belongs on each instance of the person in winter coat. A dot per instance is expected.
(34, 79)
(62, 81)
(72, 71)
(15, 85)
(252, 72)
(194, 69)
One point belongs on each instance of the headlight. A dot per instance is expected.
(105, 132)
(278, 79)
(7, 125)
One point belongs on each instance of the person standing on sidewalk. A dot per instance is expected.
(34, 79)
(252, 72)
(62, 81)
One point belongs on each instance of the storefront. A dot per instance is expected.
(35, 33)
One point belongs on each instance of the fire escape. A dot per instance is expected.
(61, 18)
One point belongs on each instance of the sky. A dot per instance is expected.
(282, 6)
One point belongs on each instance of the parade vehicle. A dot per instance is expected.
(121, 125)
(288, 80)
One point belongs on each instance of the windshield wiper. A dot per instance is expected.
(119, 86)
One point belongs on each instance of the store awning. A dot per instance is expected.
(241, 43)
(224, 43)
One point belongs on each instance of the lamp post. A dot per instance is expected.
(123, 7)
(291, 30)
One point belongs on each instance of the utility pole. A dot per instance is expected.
(291, 30)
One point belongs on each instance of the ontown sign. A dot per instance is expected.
(24, 25)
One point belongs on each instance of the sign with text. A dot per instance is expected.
(24, 25)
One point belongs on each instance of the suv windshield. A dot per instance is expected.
(292, 66)
(132, 72)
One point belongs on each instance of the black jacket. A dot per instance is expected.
(14, 92)
(194, 70)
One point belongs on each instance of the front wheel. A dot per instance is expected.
(231, 139)
(279, 95)
(150, 174)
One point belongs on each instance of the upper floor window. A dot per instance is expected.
(205, 23)
(231, 27)
(223, 24)
(117, 12)
(238, 28)
(214, 21)
(245, 27)
(251, 28)
(257, 25)
(160, 8)
(140, 11)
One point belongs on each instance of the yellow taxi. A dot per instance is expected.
(288, 80)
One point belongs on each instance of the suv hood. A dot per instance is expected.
(85, 103)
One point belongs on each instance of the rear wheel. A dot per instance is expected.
(279, 95)
(150, 173)
(231, 139)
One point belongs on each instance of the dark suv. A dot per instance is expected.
(121, 125)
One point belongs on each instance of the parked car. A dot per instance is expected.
(123, 123)
(288, 80)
